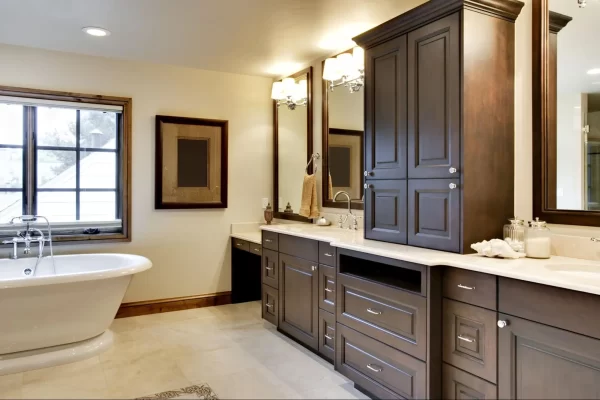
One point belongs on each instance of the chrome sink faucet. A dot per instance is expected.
(343, 219)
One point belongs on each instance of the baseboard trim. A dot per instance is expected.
(137, 308)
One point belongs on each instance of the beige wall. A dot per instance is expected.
(189, 249)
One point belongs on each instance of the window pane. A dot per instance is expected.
(56, 169)
(98, 170)
(56, 206)
(98, 129)
(56, 126)
(11, 168)
(11, 205)
(97, 206)
(11, 124)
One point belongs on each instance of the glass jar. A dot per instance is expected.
(537, 240)
(514, 234)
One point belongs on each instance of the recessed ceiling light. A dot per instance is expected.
(594, 71)
(95, 31)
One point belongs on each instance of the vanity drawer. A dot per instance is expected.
(326, 254)
(255, 248)
(241, 244)
(270, 268)
(327, 288)
(457, 384)
(299, 247)
(469, 339)
(379, 369)
(392, 316)
(327, 335)
(270, 304)
(270, 240)
(471, 287)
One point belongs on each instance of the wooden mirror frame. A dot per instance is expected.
(309, 147)
(545, 24)
(355, 204)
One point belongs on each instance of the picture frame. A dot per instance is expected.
(191, 163)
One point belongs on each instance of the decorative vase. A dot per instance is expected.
(269, 214)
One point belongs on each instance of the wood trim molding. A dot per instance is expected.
(540, 114)
(173, 304)
(435, 9)
(309, 146)
(558, 21)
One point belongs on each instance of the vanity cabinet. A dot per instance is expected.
(432, 75)
(245, 271)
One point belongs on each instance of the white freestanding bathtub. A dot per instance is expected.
(63, 313)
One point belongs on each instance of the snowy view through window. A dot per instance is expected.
(56, 166)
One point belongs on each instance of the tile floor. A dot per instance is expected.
(228, 347)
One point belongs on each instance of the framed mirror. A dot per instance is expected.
(566, 112)
(293, 142)
(343, 129)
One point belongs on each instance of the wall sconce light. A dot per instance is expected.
(290, 93)
(346, 70)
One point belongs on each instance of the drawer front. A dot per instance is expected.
(458, 384)
(241, 244)
(378, 368)
(470, 287)
(270, 304)
(299, 247)
(327, 288)
(327, 334)
(391, 316)
(470, 338)
(255, 248)
(327, 254)
(270, 268)
(270, 240)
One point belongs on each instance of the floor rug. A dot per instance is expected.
(191, 392)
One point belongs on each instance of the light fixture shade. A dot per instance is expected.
(331, 70)
(358, 56)
(301, 90)
(289, 86)
(594, 71)
(277, 91)
(346, 63)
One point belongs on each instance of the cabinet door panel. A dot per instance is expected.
(299, 298)
(434, 214)
(385, 211)
(385, 110)
(460, 385)
(270, 268)
(434, 99)
(537, 361)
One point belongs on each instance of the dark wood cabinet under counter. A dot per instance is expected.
(245, 271)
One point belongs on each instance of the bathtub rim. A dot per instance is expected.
(138, 264)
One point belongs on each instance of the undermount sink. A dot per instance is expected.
(583, 270)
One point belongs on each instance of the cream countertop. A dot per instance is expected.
(252, 237)
(564, 272)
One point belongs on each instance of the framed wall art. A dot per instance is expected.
(191, 163)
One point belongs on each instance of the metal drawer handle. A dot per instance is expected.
(466, 339)
(374, 368)
(374, 311)
(466, 287)
(269, 305)
(268, 240)
(329, 290)
(328, 337)
(256, 249)
(329, 255)
(240, 244)
(269, 268)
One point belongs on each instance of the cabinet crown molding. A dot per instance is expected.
(432, 10)
(558, 21)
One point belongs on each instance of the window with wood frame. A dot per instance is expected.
(66, 157)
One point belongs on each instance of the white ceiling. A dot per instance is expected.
(256, 37)
(578, 46)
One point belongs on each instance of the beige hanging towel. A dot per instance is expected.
(308, 206)
(330, 188)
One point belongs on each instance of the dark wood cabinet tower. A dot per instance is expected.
(439, 124)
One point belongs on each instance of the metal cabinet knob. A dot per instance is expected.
(314, 267)
(368, 186)
(452, 170)
(452, 186)
(502, 324)
(369, 173)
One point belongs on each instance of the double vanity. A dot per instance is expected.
(405, 322)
